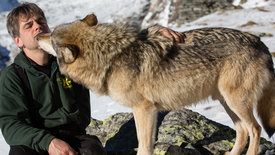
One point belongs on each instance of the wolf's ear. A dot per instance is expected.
(90, 19)
(69, 53)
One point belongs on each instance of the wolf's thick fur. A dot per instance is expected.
(151, 73)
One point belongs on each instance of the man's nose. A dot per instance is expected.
(36, 26)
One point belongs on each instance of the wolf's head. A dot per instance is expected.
(62, 42)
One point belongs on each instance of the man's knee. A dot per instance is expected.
(23, 150)
(91, 145)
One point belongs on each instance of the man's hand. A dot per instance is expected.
(178, 37)
(59, 147)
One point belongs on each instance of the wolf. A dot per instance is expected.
(149, 73)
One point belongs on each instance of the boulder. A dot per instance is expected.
(182, 11)
(178, 132)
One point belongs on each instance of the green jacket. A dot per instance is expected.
(58, 108)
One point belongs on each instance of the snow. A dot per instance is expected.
(251, 3)
(261, 12)
(163, 14)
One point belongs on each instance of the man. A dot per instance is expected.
(42, 111)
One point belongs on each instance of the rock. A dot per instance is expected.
(117, 133)
(4, 57)
(182, 11)
(176, 12)
(178, 132)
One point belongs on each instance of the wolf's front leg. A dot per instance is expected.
(145, 114)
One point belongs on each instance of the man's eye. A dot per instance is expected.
(27, 26)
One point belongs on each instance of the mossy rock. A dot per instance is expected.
(178, 132)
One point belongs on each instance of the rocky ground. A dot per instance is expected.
(178, 132)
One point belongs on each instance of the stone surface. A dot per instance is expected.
(182, 11)
(178, 132)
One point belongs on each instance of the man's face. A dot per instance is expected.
(29, 28)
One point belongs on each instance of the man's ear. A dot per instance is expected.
(90, 19)
(18, 41)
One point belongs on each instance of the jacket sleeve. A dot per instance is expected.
(14, 115)
(83, 100)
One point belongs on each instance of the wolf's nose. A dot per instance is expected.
(37, 37)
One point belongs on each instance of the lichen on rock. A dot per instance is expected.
(178, 132)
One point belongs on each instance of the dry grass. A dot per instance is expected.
(249, 23)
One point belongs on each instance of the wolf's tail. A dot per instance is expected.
(266, 107)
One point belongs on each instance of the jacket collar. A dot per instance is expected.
(23, 61)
